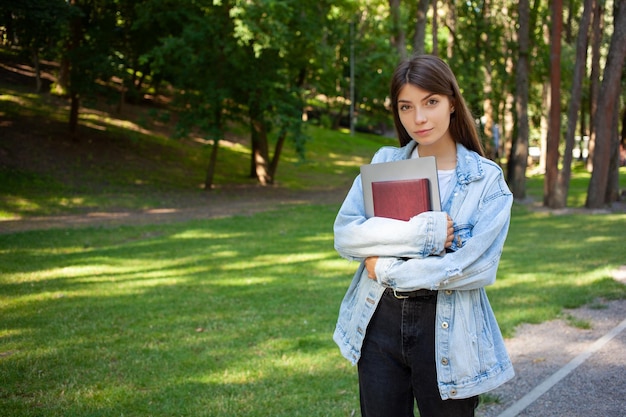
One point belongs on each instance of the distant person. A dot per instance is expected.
(418, 322)
(496, 139)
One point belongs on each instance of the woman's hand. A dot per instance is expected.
(370, 265)
(450, 237)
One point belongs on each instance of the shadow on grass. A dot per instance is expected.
(224, 317)
(555, 262)
(232, 316)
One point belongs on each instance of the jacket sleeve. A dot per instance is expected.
(472, 266)
(357, 237)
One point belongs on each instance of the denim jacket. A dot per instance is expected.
(470, 354)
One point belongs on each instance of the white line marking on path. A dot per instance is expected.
(542, 388)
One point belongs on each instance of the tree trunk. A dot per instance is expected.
(253, 150)
(258, 134)
(623, 137)
(612, 189)
(61, 87)
(562, 185)
(420, 27)
(278, 149)
(435, 28)
(508, 128)
(568, 23)
(488, 111)
(519, 152)
(398, 37)
(73, 43)
(451, 24)
(122, 100)
(37, 71)
(74, 108)
(260, 154)
(9, 27)
(596, 44)
(583, 130)
(210, 172)
(605, 122)
(544, 127)
(487, 86)
(554, 130)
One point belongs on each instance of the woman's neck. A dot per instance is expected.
(444, 153)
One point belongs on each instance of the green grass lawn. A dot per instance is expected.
(231, 316)
(234, 316)
(222, 317)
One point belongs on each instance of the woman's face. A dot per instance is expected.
(425, 115)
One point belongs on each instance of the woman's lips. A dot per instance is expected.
(422, 132)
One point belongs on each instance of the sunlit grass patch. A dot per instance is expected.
(555, 262)
(162, 314)
(234, 316)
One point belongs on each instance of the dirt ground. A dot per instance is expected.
(242, 201)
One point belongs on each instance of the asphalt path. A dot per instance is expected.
(563, 371)
(592, 384)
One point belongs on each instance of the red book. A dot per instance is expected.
(401, 199)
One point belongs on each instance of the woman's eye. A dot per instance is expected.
(404, 107)
(432, 102)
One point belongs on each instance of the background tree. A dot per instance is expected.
(376, 58)
(519, 150)
(273, 35)
(36, 25)
(398, 33)
(594, 84)
(562, 185)
(196, 53)
(88, 45)
(420, 26)
(264, 64)
(554, 130)
(602, 186)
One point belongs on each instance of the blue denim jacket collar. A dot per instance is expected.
(469, 164)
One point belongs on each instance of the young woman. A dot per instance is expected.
(420, 327)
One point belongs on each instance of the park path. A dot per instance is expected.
(245, 201)
(564, 371)
(242, 201)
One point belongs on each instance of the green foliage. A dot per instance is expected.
(332, 159)
(89, 45)
(37, 24)
(126, 165)
(267, 61)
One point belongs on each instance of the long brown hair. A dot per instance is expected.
(432, 74)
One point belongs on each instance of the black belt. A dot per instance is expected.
(410, 294)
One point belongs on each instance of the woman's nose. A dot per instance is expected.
(420, 116)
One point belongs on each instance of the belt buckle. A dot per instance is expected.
(399, 297)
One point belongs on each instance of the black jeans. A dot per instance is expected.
(397, 365)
